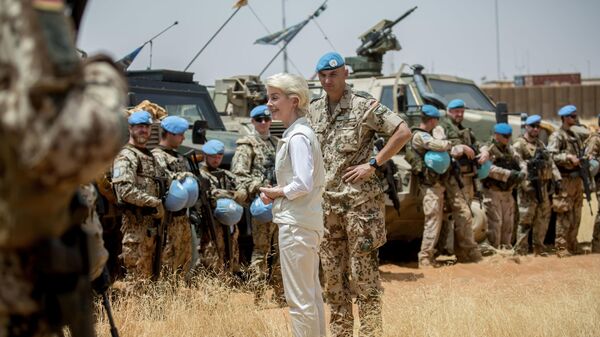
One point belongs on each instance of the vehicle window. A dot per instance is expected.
(192, 108)
(471, 94)
(406, 100)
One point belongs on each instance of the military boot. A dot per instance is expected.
(427, 264)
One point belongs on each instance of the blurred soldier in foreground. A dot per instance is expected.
(592, 151)
(254, 164)
(345, 122)
(60, 126)
(567, 150)
(465, 149)
(534, 193)
(135, 174)
(222, 252)
(507, 172)
(178, 249)
(432, 162)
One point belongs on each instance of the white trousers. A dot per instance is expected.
(298, 249)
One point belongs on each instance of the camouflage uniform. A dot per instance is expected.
(498, 188)
(178, 247)
(59, 129)
(223, 184)
(568, 201)
(435, 188)
(457, 134)
(134, 179)
(592, 151)
(353, 212)
(534, 214)
(254, 163)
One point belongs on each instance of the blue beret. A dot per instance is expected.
(533, 119)
(140, 117)
(213, 147)
(330, 61)
(175, 124)
(503, 129)
(430, 111)
(456, 104)
(567, 110)
(260, 110)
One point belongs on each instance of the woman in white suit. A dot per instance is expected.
(297, 202)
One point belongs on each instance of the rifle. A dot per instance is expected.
(226, 234)
(161, 233)
(584, 173)
(204, 197)
(534, 167)
(101, 285)
(389, 170)
(457, 175)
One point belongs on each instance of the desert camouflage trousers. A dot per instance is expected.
(458, 203)
(139, 241)
(500, 213)
(567, 204)
(213, 255)
(265, 240)
(596, 232)
(178, 249)
(534, 217)
(351, 267)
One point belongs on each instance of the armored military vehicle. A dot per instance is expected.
(177, 92)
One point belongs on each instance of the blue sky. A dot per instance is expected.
(450, 37)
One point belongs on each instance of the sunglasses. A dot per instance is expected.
(572, 116)
(505, 136)
(534, 126)
(262, 119)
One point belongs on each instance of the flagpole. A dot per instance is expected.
(210, 40)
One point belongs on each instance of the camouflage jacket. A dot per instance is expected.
(171, 162)
(592, 146)
(421, 142)
(254, 162)
(526, 148)
(60, 122)
(135, 173)
(347, 137)
(504, 160)
(562, 143)
(458, 135)
(223, 184)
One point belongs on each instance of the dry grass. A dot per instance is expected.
(535, 297)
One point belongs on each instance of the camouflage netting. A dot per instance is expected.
(154, 109)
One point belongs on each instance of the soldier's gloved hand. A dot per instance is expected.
(516, 177)
(160, 211)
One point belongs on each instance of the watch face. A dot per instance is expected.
(373, 162)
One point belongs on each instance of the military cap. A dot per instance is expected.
(330, 61)
(503, 129)
(567, 110)
(430, 111)
(213, 147)
(533, 119)
(174, 124)
(456, 104)
(260, 111)
(140, 117)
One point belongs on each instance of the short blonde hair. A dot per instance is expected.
(293, 86)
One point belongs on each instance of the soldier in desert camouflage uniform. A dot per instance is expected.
(223, 184)
(178, 248)
(254, 164)
(592, 151)
(507, 172)
(135, 174)
(534, 199)
(436, 186)
(345, 121)
(60, 126)
(464, 146)
(566, 147)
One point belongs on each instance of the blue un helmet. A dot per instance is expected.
(262, 213)
(177, 197)
(228, 212)
(437, 161)
(191, 186)
(483, 171)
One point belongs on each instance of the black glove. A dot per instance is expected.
(102, 282)
(516, 177)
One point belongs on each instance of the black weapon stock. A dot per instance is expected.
(534, 168)
(457, 175)
(389, 169)
(584, 173)
(161, 231)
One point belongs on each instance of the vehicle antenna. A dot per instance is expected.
(154, 37)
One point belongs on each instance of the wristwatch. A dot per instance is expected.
(373, 163)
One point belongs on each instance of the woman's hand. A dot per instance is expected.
(272, 192)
